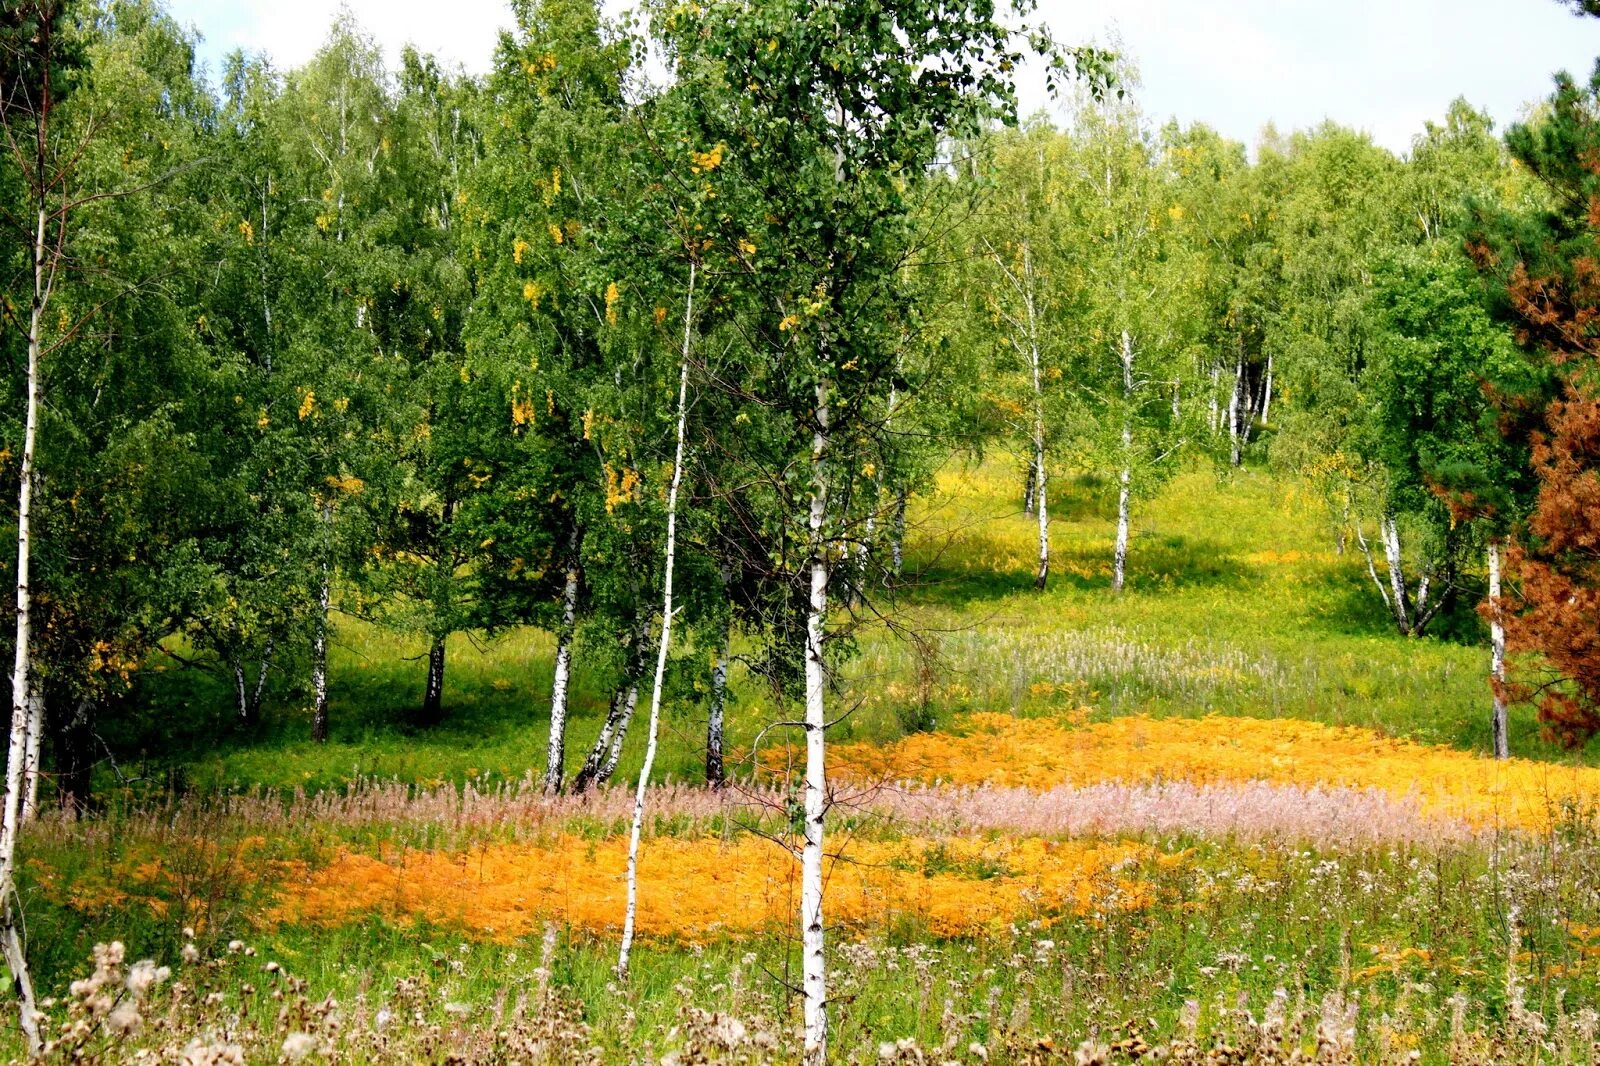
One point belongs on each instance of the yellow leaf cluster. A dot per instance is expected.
(522, 413)
(706, 161)
(346, 484)
(613, 294)
(621, 487)
(542, 65)
(518, 247)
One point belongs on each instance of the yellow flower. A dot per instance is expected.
(612, 296)
(308, 403)
(556, 234)
(518, 246)
(532, 291)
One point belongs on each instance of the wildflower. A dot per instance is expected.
(125, 1018)
(297, 1046)
(145, 975)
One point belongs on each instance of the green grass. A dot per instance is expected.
(1236, 604)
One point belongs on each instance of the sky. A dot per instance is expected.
(1382, 66)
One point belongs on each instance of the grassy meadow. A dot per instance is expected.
(1225, 816)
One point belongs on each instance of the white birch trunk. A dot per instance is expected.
(716, 774)
(1372, 569)
(21, 673)
(1234, 436)
(556, 752)
(1041, 498)
(1119, 563)
(1390, 532)
(1214, 418)
(619, 735)
(813, 965)
(319, 642)
(665, 642)
(30, 762)
(1266, 392)
(1497, 656)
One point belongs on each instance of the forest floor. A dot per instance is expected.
(1228, 808)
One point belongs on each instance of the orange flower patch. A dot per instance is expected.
(1040, 754)
(701, 887)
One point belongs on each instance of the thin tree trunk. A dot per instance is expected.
(1027, 489)
(1390, 532)
(589, 772)
(665, 640)
(556, 754)
(606, 752)
(1119, 563)
(813, 964)
(433, 694)
(250, 697)
(630, 704)
(259, 695)
(716, 774)
(319, 642)
(30, 761)
(1266, 392)
(1214, 417)
(1041, 498)
(897, 544)
(1234, 436)
(1497, 656)
(1372, 569)
(21, 679)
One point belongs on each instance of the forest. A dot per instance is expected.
(726, 540)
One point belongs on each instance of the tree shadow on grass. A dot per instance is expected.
(1155, 563)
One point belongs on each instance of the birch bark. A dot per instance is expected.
(21, 673)
(319, 639)
(1119, 564)
(556, 752)
(813, 965)
(665, 641)
(1497, 656)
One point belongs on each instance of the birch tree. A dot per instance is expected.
(1137, 275)
(86, 169)
(1021, 244)
(551, 150)
(829, 110)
